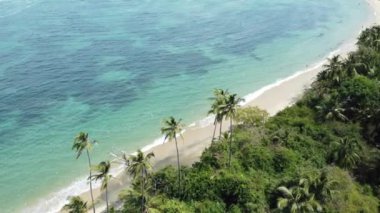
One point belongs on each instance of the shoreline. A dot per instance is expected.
(273, 98)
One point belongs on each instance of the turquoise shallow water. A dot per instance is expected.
(116, 68)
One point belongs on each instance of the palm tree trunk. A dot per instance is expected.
(107, 198)
(230, 151)
(142, 190)
(179, 167)
(220, 129)
(213, 135)
(92, 196)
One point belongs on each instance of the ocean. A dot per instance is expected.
(117, 68)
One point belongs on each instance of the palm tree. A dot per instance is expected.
(331, 110)
(140, 165)
(354, 65)
(346, 153)
(333, 70)
(220, 156)
(297, 199)
(215, 110)
(321, 187)
(76, 205)
(171, 129)
(370, 38)
(103, 169)
(336, 113)
(81, 143)
(219, 100)
(229, 110)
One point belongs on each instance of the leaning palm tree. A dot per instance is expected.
(229, 109)
(215, 110)
(139, 165)
(171, 129)
(219, 99)
(346, 153)
(103, 169)
(81, 143)
(76, 205)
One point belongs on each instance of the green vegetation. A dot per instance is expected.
(319, 155)
(76, 205)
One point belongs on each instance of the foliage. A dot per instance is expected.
(76, 205)
(346, 153)
(252, 116)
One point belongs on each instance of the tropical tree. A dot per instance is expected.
(219, 100)
(76, 205)
(322, 187)
(171, 129)
(139, 165)
(332, 107)
(230, 108)
(354, 65)
(370, 38)
(297, 198)
(83, 143)
(253, 118)
(103, 169)
(346, 153)
(333, 70)
(330, 111)
(215, 110)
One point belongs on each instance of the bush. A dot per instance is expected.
(233, 189)
(285, 160)
(348, 196)
(257, 157)
(209, 207)
(163, 204)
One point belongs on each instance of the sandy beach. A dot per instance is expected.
(272, 98)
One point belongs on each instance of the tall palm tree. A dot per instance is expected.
(76, 205)
(219, 99)
(297, 199)
(346, 153)
(103, 169)
(81, 143)
(171, 129)
(139, 165)
(229, 109)
(215, 110)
